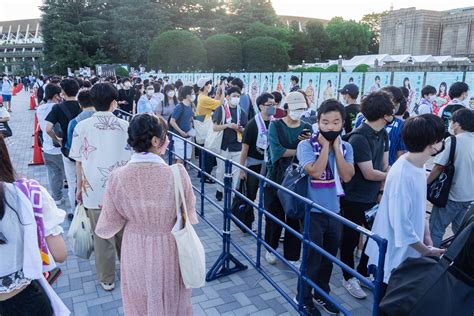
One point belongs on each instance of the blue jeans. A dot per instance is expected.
(441, 217)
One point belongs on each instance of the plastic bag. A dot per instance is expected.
(80, 232)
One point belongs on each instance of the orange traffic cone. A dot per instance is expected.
(37, 153)
(35, 126)
(32, 103)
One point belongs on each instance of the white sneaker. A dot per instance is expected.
(358, 253)
(107, 286)
(59, 202)
(297, 264)
(353, 287)
(270, 258)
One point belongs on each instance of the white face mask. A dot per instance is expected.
(432, 98)
(193, 98)
(451, 128)
(150, 93)
(127, 85)
(296, 115)
(170, 94)
(235, 100)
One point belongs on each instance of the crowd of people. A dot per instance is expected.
(106, 139)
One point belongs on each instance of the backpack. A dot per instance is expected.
(448, 112)
(40, 93)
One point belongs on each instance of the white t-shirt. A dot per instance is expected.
(42, 112)
(401, 215)
(4, 113)
(463, 180)
(100, 143)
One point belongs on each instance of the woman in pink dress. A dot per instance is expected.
(140, 196)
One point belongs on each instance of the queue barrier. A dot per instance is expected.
(222, 267)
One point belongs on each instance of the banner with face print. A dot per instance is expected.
(374, 81)
(413, 81)
(245, 78)
(310, 85)
(328, 86)
(442, 81)
(279, 82)
(254, 86)
(356, 78)
(266, 82)
(288, 84)
(470, 82)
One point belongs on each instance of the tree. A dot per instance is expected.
(177, 51)
(347, 38)
(301, 47)
(374, 22)
(224, 53)
(259, 29)
(73, 33)
(318, 38)
(133, 25)
(265, 54)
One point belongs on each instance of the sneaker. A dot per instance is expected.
(358, 253)
(270, 258)
(354, 289)
(297, 264)
(370, 279)
(219, 196)
(107, 286)
(59, 202)
(310, 309)
(209, 180)
(70, 217)
(329, 307)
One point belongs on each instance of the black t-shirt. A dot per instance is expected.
(368, 145)
(129, 96)
(58, 115)
(229, 138)
(250, 139)
(351, 114)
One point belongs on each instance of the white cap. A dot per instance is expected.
(202, 82)
(296, 100)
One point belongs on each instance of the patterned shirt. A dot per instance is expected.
(100, 144)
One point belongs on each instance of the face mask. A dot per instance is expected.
(295, 115)
(432, 98)
(193, 98)
(330, 135)
(235, 101)
(170, 94)
(439, 151)
(271, 110)
(127, 84)
(451, 128)
(344, 101)
(165, 146)
(150, 93)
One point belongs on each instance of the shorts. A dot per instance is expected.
(6, 97)
(179, 149)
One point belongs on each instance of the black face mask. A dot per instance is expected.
(439, 151)
(331, 135)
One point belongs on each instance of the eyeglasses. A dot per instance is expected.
(269, 104)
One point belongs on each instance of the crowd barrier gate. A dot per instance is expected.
(222, 267)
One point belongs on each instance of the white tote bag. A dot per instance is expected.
(192, 258)
(80, 232)
(214, 139)
(202, 130)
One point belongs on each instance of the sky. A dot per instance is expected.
(348, 9)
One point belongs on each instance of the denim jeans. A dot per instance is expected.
(441, 217)
(54, 165)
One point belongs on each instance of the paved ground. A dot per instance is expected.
(243, 293)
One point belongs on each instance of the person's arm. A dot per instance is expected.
(369, 173)
(79, 182)
(176, 128)
(345, 168)
(243, 158)
(437, 169)
(425, 250)
(57, 247)
(51, 133)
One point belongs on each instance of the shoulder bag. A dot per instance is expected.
(438, 190)
(213, 140)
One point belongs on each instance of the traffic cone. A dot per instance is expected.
(34, 126)
(32, 103)
(37, 153)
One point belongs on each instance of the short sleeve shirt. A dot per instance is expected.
(396, 142)
(230, 139)
(351, 115)
(368, 145)
(206, 105)
(325, 197)
(100, 144)
(183, 115)
(58, 115)
(250, 139)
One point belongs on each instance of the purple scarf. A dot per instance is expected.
(32, 190)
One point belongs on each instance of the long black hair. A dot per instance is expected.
(169, 87)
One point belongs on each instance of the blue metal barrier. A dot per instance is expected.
(222, 266)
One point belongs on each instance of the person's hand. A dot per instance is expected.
(243, 175)
(234, 126)
(435, 252)
(336, 144)
(59, 140)
(427, 240)
(79, 196)
(323, 141)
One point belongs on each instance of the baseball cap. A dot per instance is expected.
(349, 88)
(296, 100)
(202, 82)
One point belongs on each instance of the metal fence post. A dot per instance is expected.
(261, 186)
(185, 157)
(304, 261)
(202, 157)
(379, 277)
(170, 147)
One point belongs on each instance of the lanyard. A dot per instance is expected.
(228, 115)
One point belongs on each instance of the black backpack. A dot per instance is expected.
(40, 93)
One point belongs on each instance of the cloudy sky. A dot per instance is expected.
(349, 9)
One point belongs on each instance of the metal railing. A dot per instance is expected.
(227, 263)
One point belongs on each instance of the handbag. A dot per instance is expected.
(438, 190)
(241, 209)
(431, 286)
(295, 180)
(80, 232)
(192, 258)
(5, 130)
(213, 140)
(202, 129)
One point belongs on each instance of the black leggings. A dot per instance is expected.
(29, 302)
